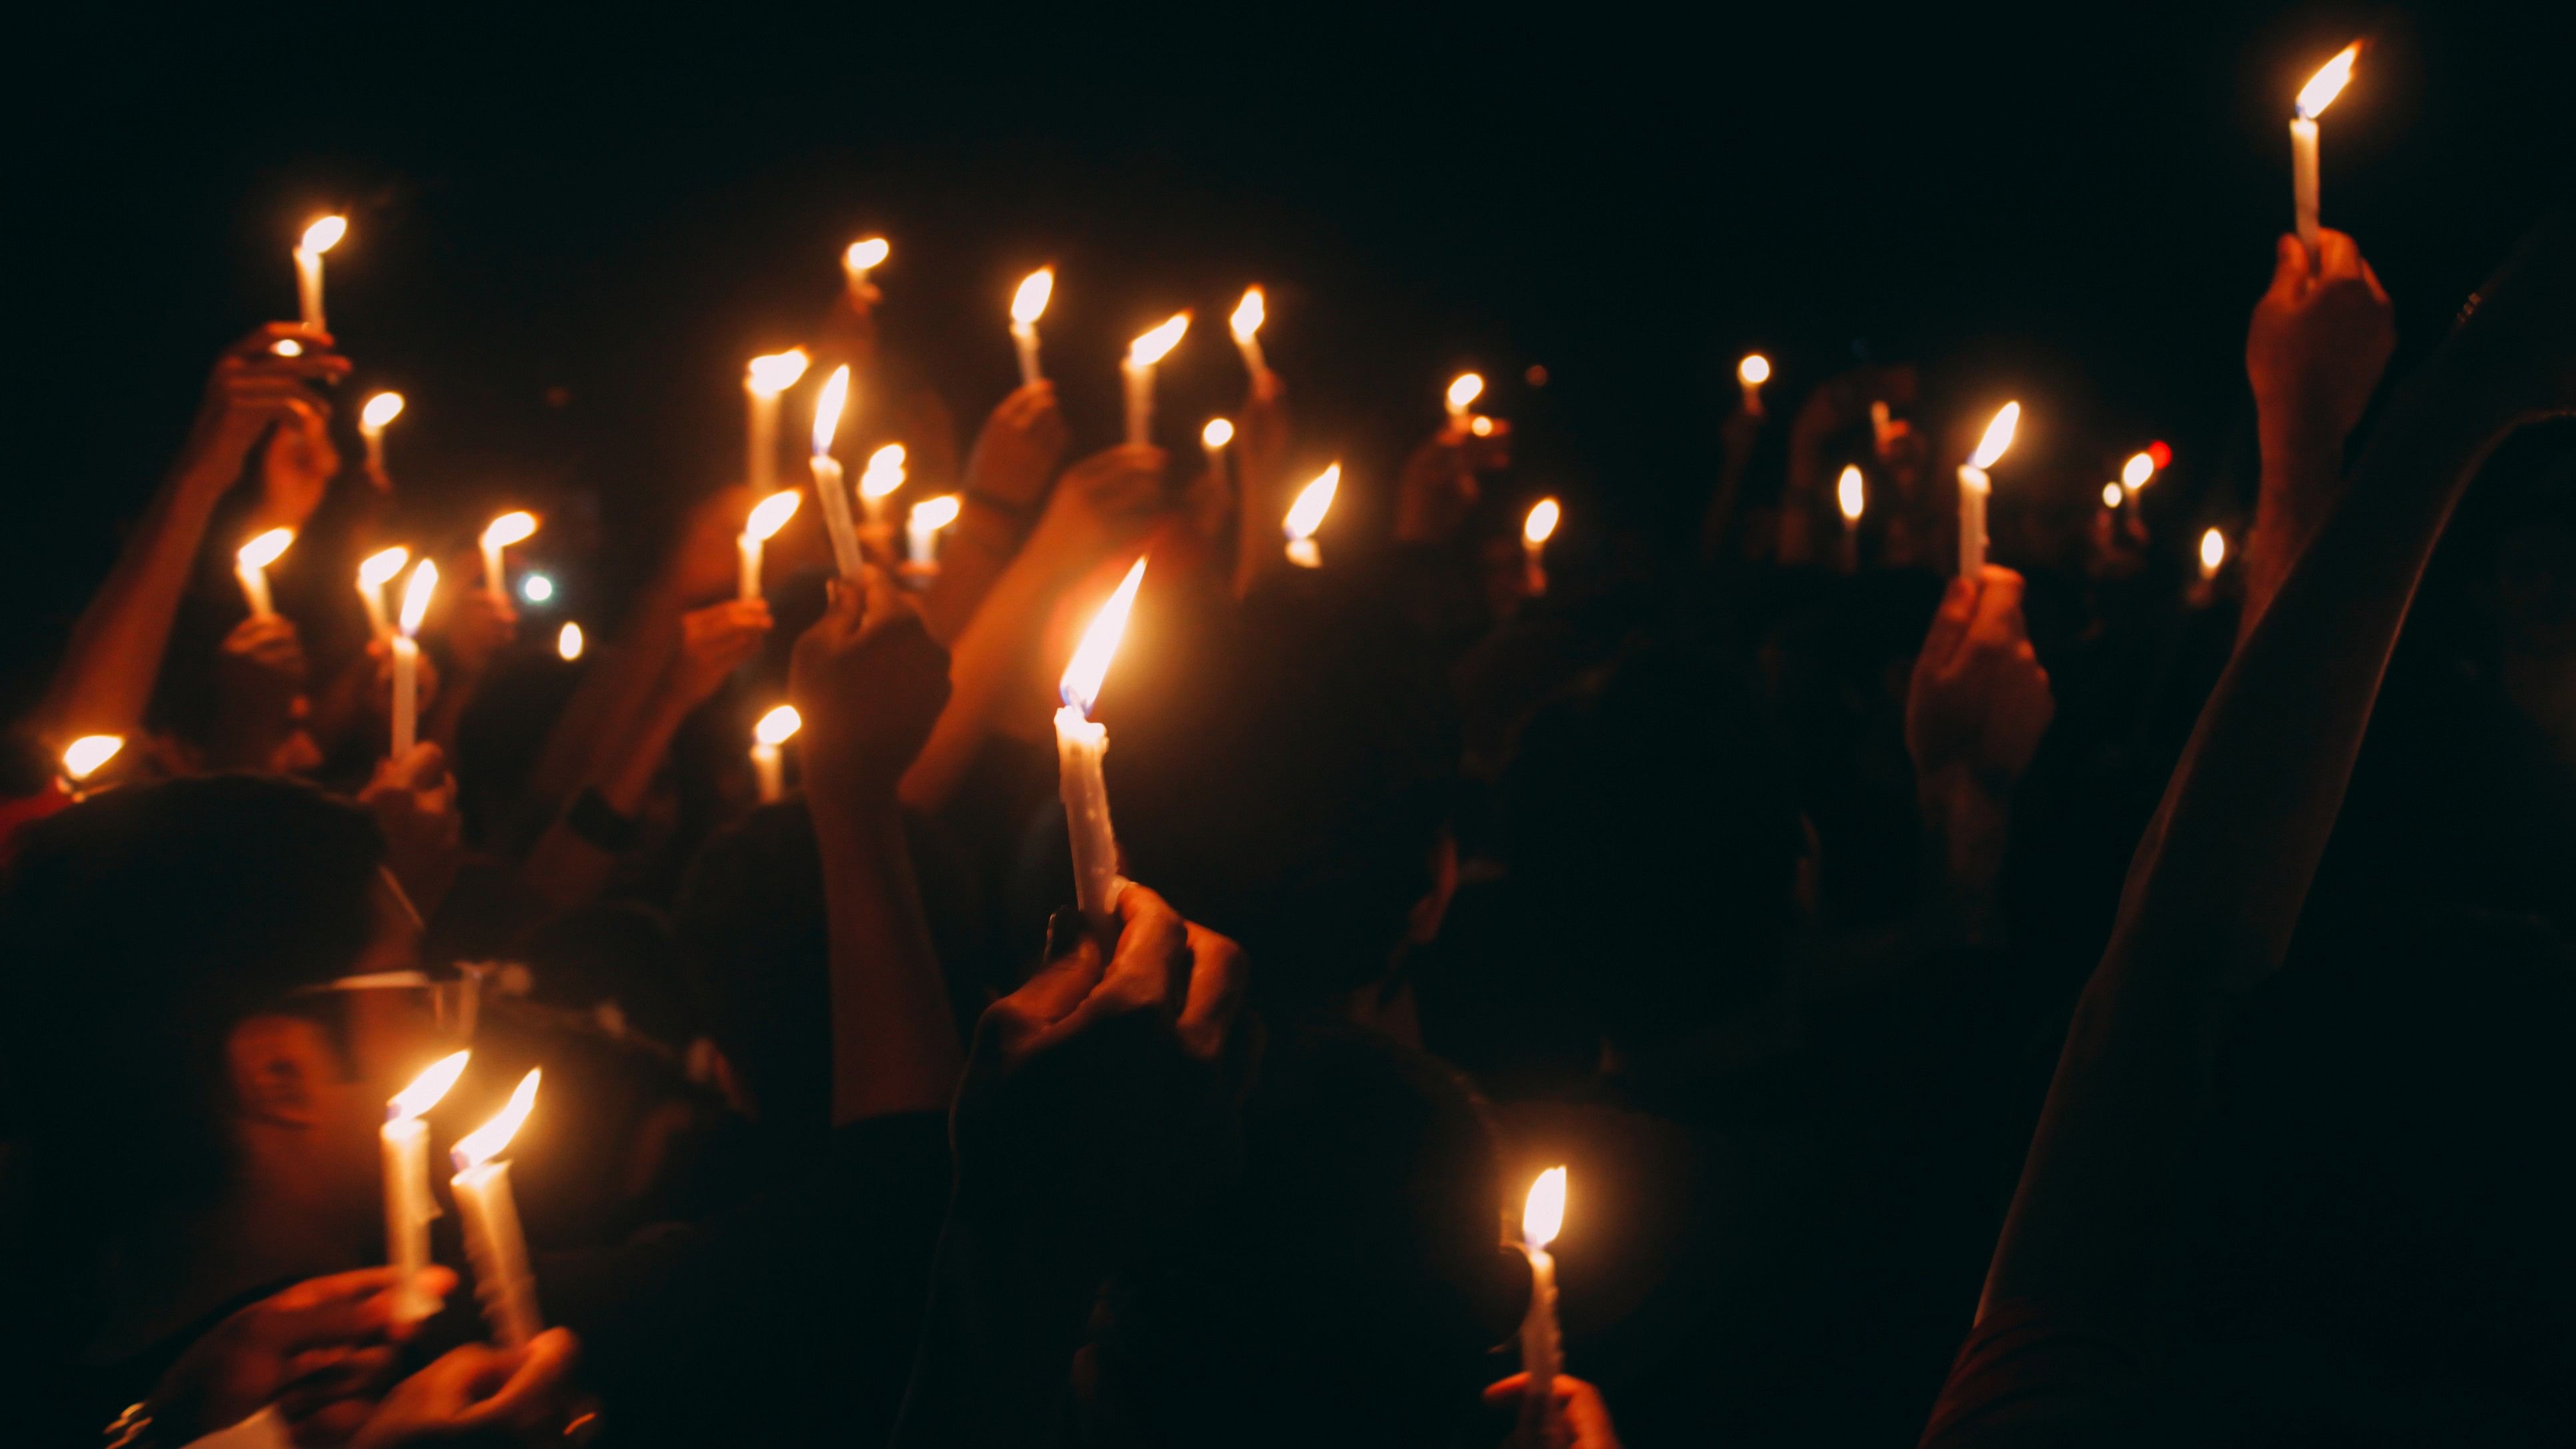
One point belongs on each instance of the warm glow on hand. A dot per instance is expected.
(1089, 667)
(2328, 82)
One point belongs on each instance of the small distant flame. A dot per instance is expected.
(262, 551)
(771, 514)
(485, 1142)
(381, 409)
(1481, 426)
(827, 408)
(568, 643)
(1249, 314)
(932, 514)
(773, 373)
(778, 726)
(1848, 495)
(286, 347)
(2213, 552)
(1542, 521)
(2135, 472)
(884, 472)
(1999, 436)
(1465, 389)
(516, 526)
(1029, 303)
(323, 235)
(416, 595)
(2113, 495)
(1543, 1215)
(1089, 667)
(83, 757)
(427, 1088)
(865, 254)
(1313, 502)
(2328, 82)
(1217, 433)
(1754, 370)
(378, 569)
(1157, 344)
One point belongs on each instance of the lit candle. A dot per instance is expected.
(2135, 473)
(379, 410)
(318, 238)
(1974, 485)
(1882, 425)
(1079, 746)
(862, 258)
(85, 757)
(374, 572)
(1850, 498)
(1536, 530)
(773, 730)
(881, 480)
(500, 533)
(1028, 304)
(767, 517)
(2314, 97)
(1464, 389)
(829, 489)
(762, 381)
(1246, 322)
(1752, 372)
(921, 529)
(1142, 354)
(1306, 515)
(286, 347)
(1541, 1355)
(493, 1242)
(568, 642)
(2213, 552)
(406, 647)
(408, 1205)
(1213, 438)
(251, 563)
(2113, 495)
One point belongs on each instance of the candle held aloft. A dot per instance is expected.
(1536, 530)
(250, 565)
(514, 527)
(408, 1205)
(829, 488)
(2213, 552)
(379, 410)
(767, 517)
(1246, 322)
(921, 529)
(320, 237)
(1974, 485)
(774, 730)
(1751, 373)
(406, 649)
(1213, 440)
(1028, 304)
(2136, 473)
(861, 258)
(568, 643)
(1306, 515)
(374, 572)
(2314, 97)
(879, 481)
(1142, 355)
(764, 380)
(1850, 498)
(1080, 745)
(1542, 1216)
(494, 1243)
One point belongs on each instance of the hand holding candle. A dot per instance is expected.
(1974, 485)
(1028, 304)
(1246, 322)
(250, 564)
(2314, 97)
(1536, 530)
(514, 527)
(829, 488)
(1142, 355)
(762, 383)
(320, 237)
(774, 730)
(1080, 744)
(1542, 1216)
(408, 1205)
(494, 1243)
(767, 517)
(406, 647)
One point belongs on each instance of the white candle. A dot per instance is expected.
(374, 572)
(494, 1243)
(1212, 439)
(921, 531)
(762, 382)
(499, 534)
(1752, 372)
(1027, 305)
(379, 410)
(767, 517)
(1850, 499)
(1246, 322)
(1974, 485)
(320, 237)
(1142, 354)
(1306, 515)
(415, 605)
(1536, 530)
(861, 258)
(879, 481)
(250, 565)
(408, 1205)
(1464, 389)
(1080, 745)
(773, 731)
(2314, 97)
(829, 488)
(1542, 1355)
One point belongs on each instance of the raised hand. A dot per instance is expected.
(1018, 449)
(480, 1394)
(714, 641)
(1582, 1419)
(1102, 504)
(869, 681)
(259, 683)
(2318, 341)
(479, 626)
(414, 802)
(1979, 701)
(299, 463)
(1437, 484)
(319, 1350)
(250, 390)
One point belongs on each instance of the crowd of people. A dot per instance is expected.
(2095, 997)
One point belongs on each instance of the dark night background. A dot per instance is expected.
(566, 235)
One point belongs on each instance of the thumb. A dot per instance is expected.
(882, 601)
(1949, 624)
(2289, 266)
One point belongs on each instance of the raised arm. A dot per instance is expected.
(1006, 481)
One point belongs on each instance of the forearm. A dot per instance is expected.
(1967, 823)
(614, 690)
(566, 868)
(894, 1039)
(114, 655)
(2298, 463)
(990, 662)
(981, 549)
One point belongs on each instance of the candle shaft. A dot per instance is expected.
(767, 762)
(750, 548)
(1539, 1347)
(1140, 403)
(496, 573)
(1304, 554)
(1079, 746)
(1973, 487)
(498, 1251)
(1752, 397)
(373, 596)
(1250, 346)
(254, 582)
(1535, 572)
(2303, 181)
(406, 694)
(375, 441)
(834, 494)
(1025, 335)
(308, 287)
(921, 544)
(408, 1210)
(762, 465)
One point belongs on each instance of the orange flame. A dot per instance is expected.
(427, 1088)
(777, 726)
(1157, 344)
(771, 514)
(1754, 370)
(776, 372)
(1313, 502)
(262, 551)
(1848, 495)
(516, 526)
(2213, 552)
(1249, 314)
(884, 473)
(865, 253)
(933, 514)
(378, 569)
(381, 409)
(1089, 667)
(1464, 389)
(2135, 473)
(1999, 436)
(83, 757)
(568, 643)
(1543, 1215)
(1029, 303)
(415, 604)
(1217, 433)
(827, 409)
(485, 1142)
(322, 235)
(2328, 82)
(1542, 521)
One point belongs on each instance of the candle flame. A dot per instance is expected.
(827, 409)
(2328, 82)
(1249, 314)
(773, 373)
(427, 1088)
(1089, 667)
(771, 514)
(777, 726)
(2213, 552)
(516, 526)
(1543, 1215)
(865, 253)
(1481, 426)
(287, 347)
(1313, 502)
(1157, 344)
(1999, 436)
(1848, 495)
(933, 514)
(2135, 473)
(485, 1142)
(1217, 433)
(381, 409)
(2113, 495)
(415, 604)
(1542, 521)
(568, 643)
(1754, 370)
(884, 472)
(262, 551)
(83, 757)
(322, 235)
(1466, 388)
(1029, 303)
(378, 569)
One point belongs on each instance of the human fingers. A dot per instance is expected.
(2289, 269)
(1149, 966)
(1220, 977)
(522, 1400)
(1949, 625)
(1998, 618)
(1050, 995)
(2338, 257)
